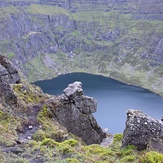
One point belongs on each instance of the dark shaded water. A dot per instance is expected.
(114, 98)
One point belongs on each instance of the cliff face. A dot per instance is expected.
(119, 39)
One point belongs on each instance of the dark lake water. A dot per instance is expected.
(114, 98)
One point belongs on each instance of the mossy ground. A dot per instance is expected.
(72, 151)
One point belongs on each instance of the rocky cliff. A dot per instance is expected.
(118, 39)
(74, 110)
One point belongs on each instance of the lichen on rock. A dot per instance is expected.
(141, 130)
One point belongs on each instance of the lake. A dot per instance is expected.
(114, 98)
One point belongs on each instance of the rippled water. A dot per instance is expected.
(114, 98)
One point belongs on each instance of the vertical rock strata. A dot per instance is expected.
(142, 131)
(75, 114)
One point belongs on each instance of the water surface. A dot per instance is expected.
(114, 98)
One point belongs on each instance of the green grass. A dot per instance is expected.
(46, 10)
(152, 157)
(8, 126)
(10, 55)
(6, 11)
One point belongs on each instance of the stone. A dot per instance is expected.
(75, 113)
(29, 137)
(30, 127)
(73, 90)
(16, 150)
(7, 95)
(142, 130)
(107, 141)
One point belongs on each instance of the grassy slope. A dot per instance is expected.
(43, 144)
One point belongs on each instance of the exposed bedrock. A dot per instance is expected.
(8, 75)
(142, 131)
(75, 113)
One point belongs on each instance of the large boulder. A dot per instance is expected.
(142, 131)
(74, 112)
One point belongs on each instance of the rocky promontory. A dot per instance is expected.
(76, 114)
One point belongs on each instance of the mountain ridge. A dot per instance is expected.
(123, 41)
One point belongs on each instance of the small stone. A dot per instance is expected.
(30, 127)
(29, 137)
(105, 130)
(145, 123)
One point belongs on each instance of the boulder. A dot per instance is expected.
(74, 112)
(142, 130)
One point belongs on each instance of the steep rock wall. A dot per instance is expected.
(117, 39)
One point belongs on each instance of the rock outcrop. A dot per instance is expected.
(72, 109)
(75, 113)
(8, 75)
(142, 131)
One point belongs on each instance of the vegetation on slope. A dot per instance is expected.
(50, 142)
(52, 38)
